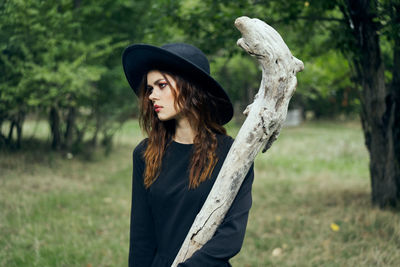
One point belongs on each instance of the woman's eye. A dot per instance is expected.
(150, 89)
(162, 85)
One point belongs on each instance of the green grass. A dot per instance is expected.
(56, 211)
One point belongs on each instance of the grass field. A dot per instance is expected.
(311, 204)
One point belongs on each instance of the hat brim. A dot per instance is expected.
(139, 59)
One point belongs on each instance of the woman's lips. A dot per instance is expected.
(157, 108)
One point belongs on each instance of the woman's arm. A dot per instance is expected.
(142, 244)
(228, 238)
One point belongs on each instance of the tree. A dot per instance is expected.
(63, 59)
(380, 101)
(45, 63)
(366, 32)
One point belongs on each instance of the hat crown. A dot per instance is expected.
(189, 53)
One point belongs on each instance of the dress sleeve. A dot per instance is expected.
(228, 238)
(142, 245)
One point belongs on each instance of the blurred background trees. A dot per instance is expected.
(61, 61)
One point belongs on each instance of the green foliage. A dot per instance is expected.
(209, 24)
(239, 75)
(67, 54)
(326, 87)
(312, 29)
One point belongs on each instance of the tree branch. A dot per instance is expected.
(265, 117)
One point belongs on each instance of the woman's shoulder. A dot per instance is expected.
(224, 138)
(139, 149)
(224, 142)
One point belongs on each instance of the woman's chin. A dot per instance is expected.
(167, 117)
(164, 118)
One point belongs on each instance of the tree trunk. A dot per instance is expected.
(19, 123)
(68, 136)
(266, 116)
(395, 92)
(54, 119)
(10, 132)
(378, 104)
(97, 129)
(3, 139)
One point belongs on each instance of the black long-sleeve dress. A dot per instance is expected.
(162, 215)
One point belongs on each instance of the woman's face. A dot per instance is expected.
(161, 95)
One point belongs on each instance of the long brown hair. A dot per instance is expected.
(197, 105)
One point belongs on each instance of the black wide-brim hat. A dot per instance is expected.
(182, 59)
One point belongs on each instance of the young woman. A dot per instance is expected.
(182, 110)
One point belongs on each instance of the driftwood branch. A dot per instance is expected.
(265, 117)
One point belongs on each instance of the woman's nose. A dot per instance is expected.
(152, 96)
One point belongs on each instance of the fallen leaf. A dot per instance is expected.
(335, 227)
(276, 252)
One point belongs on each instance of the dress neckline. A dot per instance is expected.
(181, 144)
